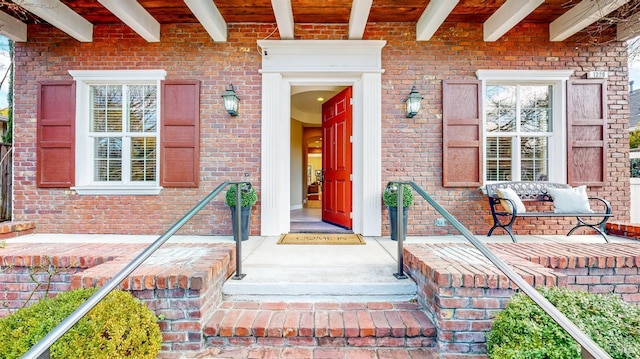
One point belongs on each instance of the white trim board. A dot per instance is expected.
(355, 63)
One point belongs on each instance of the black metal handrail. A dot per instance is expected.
(41, 349)
(589, 348)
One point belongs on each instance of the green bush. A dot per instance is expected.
(390, 195)
(120, 326)
(247, 197)
(524, 331)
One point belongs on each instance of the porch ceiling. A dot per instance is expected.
(77, 17)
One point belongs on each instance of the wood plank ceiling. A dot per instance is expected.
(77, 17)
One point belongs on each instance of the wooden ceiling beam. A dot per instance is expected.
(61, 16)
(433, 17)
(209, 17)
(358, 19)
(284, 18)
(136, 17)
(12, 28)
(580, 16)
(508, 16)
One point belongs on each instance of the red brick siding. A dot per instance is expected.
(230, 146)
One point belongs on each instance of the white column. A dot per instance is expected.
(274, 185)
(369, 155)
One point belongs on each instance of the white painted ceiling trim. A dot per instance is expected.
(360, 10)
(508, 16)
(12, 28)
(61, 16)
(136, 17)
(433, 17)
(580, 16)
(209, 17)
(284, 18)
(321, 55)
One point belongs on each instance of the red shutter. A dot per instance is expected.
(56, 134)
(461, 133)
(586, 132)
(180, 134)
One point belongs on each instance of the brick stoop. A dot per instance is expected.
(242, 324)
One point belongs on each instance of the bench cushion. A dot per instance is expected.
(510, 194)
(570, 200)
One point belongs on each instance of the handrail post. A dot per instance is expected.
(238, 234)
(400, 231)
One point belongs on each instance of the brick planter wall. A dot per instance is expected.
(180, 282)
(463, 291)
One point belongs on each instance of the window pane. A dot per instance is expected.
(501, 108)
(107, 159)
(534, 152)
(498, 158)
(143, 159)
(142, 108)
(635, 167)
(535, 108)
(106, 108)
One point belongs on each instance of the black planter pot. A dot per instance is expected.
(245, 221)
(393, 220)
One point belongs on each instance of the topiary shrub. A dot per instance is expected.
(120, 326)
(248, 195)
(390, 195)
(524, 330)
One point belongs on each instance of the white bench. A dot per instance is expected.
(534, 191)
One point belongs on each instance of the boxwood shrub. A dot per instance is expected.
(523, 330)
(120, 326)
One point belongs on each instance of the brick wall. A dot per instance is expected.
(462, 291)
(180, 282)
(230, 146)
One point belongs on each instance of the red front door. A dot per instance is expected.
(336, 159)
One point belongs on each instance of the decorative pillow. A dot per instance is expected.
(570, 200)
(508, 193)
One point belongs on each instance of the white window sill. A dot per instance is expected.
(117, 190)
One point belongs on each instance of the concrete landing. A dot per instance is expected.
(319, 273)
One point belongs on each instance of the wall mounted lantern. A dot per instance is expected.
(231, 101)
(412, 102)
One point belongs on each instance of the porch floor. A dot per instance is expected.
(317, 273)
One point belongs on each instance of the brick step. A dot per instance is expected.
(353, 324)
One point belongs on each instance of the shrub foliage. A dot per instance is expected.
(390, 197)
(120, 326)
(247, 199)
(524, 330)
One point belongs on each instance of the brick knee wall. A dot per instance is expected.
(462, 291)
(180, 282)
(627, 230)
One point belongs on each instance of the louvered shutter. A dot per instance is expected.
(462, 152)
(56, 134)
(586, 132)
(180, 134)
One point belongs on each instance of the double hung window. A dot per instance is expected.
(117, 128)
(524, 126)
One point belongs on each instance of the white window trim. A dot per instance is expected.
(558, 79)
(84, 175)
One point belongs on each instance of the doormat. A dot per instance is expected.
(321, 238)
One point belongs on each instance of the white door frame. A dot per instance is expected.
(355, 63)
